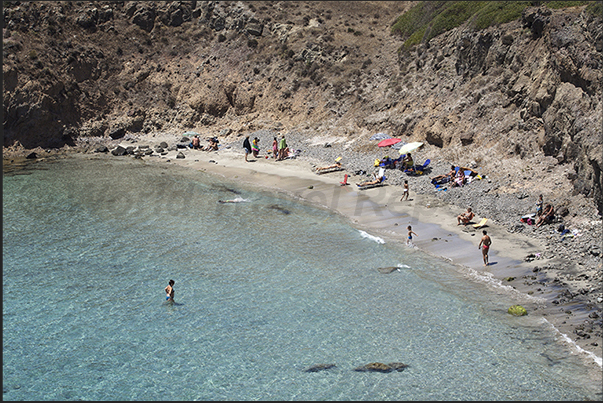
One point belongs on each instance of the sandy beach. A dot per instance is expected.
(380, 212)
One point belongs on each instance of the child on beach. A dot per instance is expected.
(405, 191)
(410, 232)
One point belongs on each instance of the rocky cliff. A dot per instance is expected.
(526, 91)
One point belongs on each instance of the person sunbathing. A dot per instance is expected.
(465, 217)
(547, 216)
(459, 178)
(212, 146)
(336, 165)
(447, 176)
(377, 180)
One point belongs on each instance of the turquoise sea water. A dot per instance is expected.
(265, 289)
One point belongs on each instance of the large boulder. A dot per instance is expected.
(118, 151)
(145, 18)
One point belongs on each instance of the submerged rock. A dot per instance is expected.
(320, 367)
(387, 270)
(398, 366)
(380, 367)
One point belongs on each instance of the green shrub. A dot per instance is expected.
(595, 8)
(564, 4)
(428, 19)
(498, 12)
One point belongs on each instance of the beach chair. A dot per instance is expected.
(374, 185)
(421, 168)
(326, 171)
(480, 224)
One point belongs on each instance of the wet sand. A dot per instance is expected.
(380, 212)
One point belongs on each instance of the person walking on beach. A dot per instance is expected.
(484, 244)
(405, 191)
(169, 291)
(247, 147)
(410, 232)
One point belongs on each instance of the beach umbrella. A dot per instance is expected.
(388, 142)
(407, 148)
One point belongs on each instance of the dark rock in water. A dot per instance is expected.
(180, 155)
(180, 145)
(159, 150)
(130, 150)
(387, 270)
(279, 209)
(163, 145)
(32, 156)
(374, 367)
(320, 367)
(101, 149)
(185, 140)
(398, 366)
(119, 150)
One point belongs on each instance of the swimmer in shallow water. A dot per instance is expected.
(169, 291)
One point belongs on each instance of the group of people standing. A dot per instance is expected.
(280, 149)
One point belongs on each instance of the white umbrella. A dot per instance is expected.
(406, 148)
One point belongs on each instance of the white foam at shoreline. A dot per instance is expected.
(371, 237)
(580, 350)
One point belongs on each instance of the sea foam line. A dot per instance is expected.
(371, 237)
(593, 356)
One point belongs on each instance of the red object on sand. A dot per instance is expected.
(388, 142)
(345, 180)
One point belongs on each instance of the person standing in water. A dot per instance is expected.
(484, 244)
(410, 232)
(169, 291)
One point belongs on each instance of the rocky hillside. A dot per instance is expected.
(525, 93)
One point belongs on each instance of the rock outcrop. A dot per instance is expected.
(528, 89)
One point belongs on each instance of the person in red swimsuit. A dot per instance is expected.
(484, 244)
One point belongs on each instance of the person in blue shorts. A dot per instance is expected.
(410, 232)
(169, 291)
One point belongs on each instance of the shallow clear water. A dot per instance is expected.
(265, 289)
